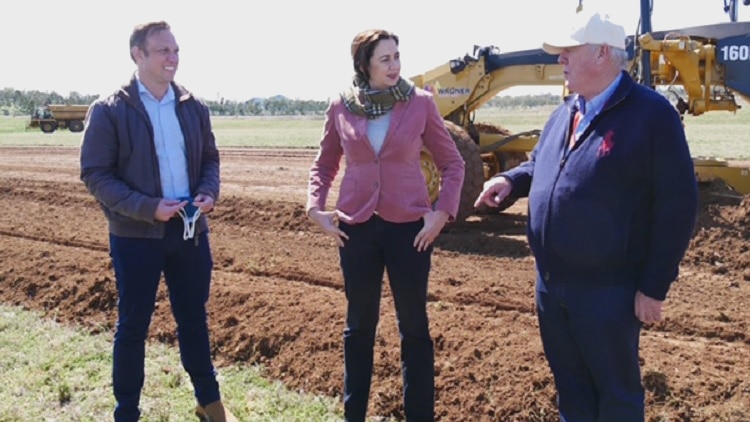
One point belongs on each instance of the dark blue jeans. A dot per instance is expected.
(374, 247)
(590, 336)
(138, 265)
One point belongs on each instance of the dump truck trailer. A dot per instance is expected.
(58, 116)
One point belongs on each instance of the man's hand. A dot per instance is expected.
(326, 220)
(434, 221)
(495, 190)
(167, 208)
(648, 310)
(204, 202)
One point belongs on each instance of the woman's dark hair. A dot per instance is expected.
(363, 47)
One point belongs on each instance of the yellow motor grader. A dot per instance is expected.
(710, 63)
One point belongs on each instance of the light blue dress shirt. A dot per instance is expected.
(594, 106)
(169, 143)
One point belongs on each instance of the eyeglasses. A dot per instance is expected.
(166, 51)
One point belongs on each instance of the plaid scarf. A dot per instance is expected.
(361, 100)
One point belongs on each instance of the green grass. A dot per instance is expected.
(293, 132)
(51, 372)
(716, 134)
(720, 134)
(13, 132)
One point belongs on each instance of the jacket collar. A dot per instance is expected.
(620, 93)
(129, 91)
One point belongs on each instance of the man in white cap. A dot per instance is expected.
(612, 207)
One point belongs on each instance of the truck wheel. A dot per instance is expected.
(75, 125)
(474, 173)
(47, 127)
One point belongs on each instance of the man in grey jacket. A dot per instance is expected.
(149, 157)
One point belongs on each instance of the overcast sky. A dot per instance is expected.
(297, 48)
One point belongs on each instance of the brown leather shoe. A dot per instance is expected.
(214, 412)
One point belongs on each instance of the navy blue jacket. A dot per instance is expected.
(119, 164)
(621, 206)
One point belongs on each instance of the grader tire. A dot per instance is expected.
(503, 161)
(431, 174)
(474, 173)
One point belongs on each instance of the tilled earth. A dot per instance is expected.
(277, 297)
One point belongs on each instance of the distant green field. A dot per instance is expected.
(716, 134)
(229, 131)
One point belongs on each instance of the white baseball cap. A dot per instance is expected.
(596, 28)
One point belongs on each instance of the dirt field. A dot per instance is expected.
(277, 297)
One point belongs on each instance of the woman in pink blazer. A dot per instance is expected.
(384, 219)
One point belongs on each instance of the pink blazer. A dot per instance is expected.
(391, 183)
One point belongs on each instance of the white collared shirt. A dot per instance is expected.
(169, 143)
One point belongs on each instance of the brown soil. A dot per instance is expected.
(277, 297)
(484, 127)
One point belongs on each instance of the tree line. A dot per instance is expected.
(22, 103)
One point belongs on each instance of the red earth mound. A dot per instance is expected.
(277, 297)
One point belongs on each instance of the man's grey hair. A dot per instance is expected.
(618, 56)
